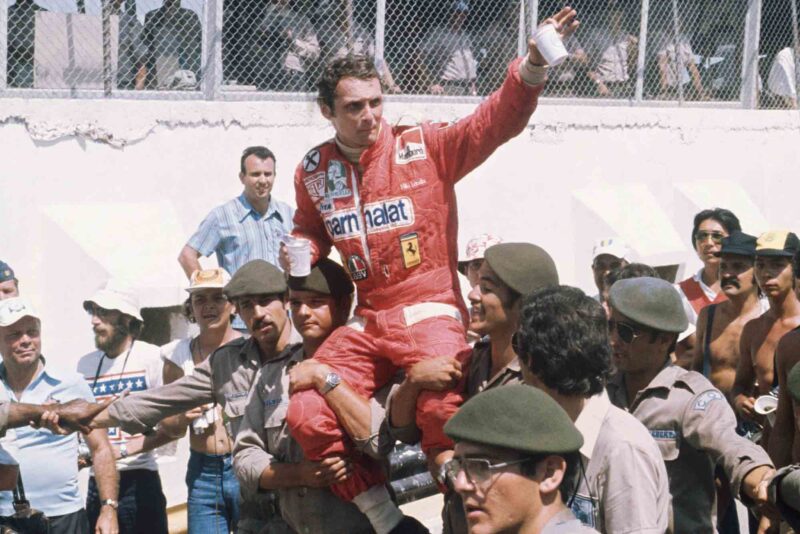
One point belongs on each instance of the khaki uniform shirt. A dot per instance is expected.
(695, 429)
(223, 378)
(264, 438)
(625, 488)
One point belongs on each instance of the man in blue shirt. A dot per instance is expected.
(245, 228)
(48, 462)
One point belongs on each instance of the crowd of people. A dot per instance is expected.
(648, 407)
(457, 48)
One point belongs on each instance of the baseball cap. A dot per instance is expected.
(6, 272)
(116, 295)
(476, 248)
(208, 279)
(516, 417)
(14, 309)
(777, 243)
(613, 246)
(739, 243)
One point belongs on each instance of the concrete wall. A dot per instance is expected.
(91, 189)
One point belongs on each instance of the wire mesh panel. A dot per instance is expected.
(603, 51)
(452, 48)
(694, 50)
(778, 59)
(57, 45)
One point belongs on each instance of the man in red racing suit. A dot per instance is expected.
(389, 207)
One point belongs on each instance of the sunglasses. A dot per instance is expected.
(97, 311)
(626, 332)
(478, 470)
(702, 236)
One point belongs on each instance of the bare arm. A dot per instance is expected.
(783, 432)
(696, 81)
(141, 76)
(176, 425)
(189, 260)
(105, 473)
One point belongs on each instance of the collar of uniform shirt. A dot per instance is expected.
(590, 421)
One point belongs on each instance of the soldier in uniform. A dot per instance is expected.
(516, 462)
(690, 419)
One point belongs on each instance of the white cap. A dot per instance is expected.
(476, 247)
(14, 309)
(116, 296)
(613, 246)
(209, 279)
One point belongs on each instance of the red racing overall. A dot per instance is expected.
(395, 226)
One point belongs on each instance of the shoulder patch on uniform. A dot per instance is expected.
(311, 160)
(410, 146)
(702, 401)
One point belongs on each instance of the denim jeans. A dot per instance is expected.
(213, 504)
(142, 505)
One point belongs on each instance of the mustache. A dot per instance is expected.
(730, 281)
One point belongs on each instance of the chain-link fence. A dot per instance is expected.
(735, 52)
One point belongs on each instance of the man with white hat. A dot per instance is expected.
(473, 259)
(48, 462)
(608, 254)
(120, 363)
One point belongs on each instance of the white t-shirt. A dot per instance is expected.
(179, 352)
(781, 80)
(142, 371)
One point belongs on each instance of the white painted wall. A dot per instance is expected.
(94, 188)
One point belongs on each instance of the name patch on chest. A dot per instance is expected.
(378, 217)
(664, 434)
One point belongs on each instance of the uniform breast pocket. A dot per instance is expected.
(234, 408)
(275, 414)
(669, 443)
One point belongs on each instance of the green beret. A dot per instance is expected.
(651, 302)
(327, 277)
(256, 277)
(517, 417)
(793, 383)
(523, 267)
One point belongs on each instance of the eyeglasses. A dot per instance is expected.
(627, 333)
(716, 237)
(478, 470)
(97, 311)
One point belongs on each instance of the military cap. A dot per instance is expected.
(327, 277)
(777, 243)
(651, 302)
(740, 244)
(256, 277)
(793, 383)
(6, 272)
(517, 417)
(524, 267)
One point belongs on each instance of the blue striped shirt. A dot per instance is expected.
(239, 234)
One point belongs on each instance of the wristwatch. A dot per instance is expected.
(331, 381)
(123, 450)
(110, 502)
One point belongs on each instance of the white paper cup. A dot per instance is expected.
(299, 256)
(766, 405)
(550, 45)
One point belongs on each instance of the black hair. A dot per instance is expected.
(726, 218)
(563, 340)
(632, 270)
(350, 66)
(261, 152)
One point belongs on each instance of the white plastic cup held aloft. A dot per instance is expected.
(299, 255)
(550, 45)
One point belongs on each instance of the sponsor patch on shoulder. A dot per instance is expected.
(702, 401)
(311, 161)
(315, 185)
(410, 146)
(336, 180)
